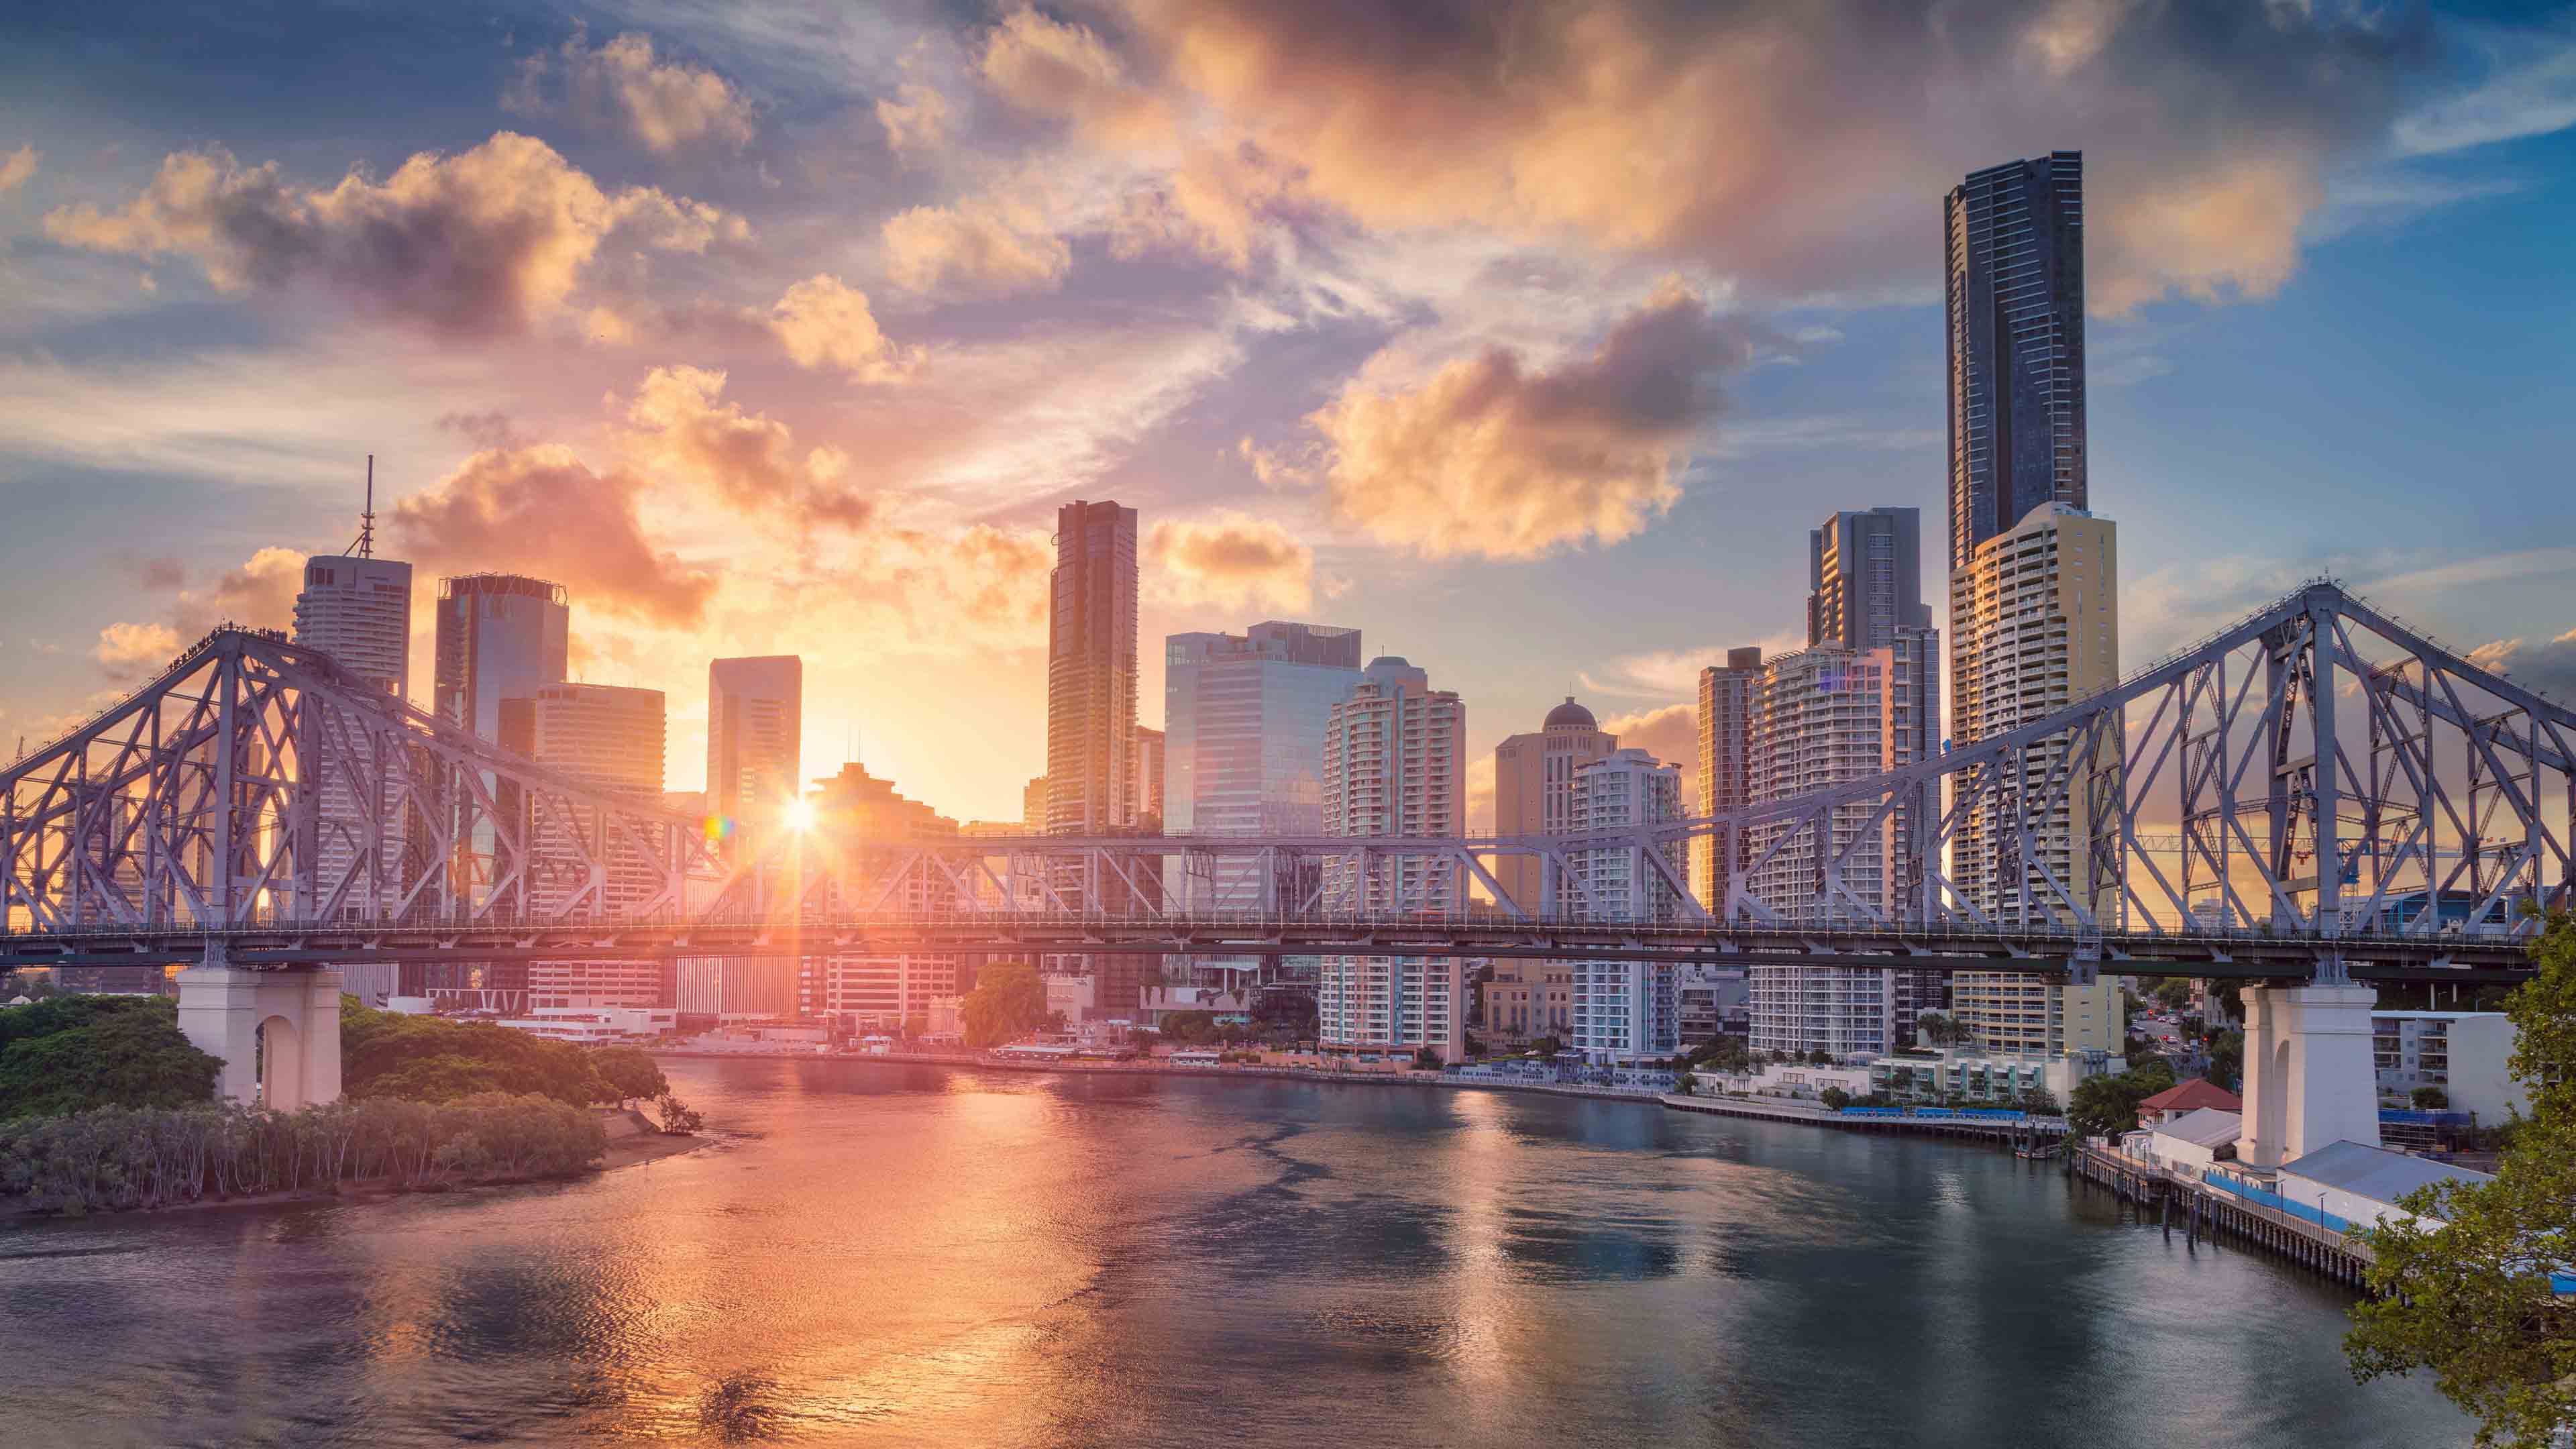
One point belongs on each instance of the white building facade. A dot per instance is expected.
(1394, 765)
(1627, 1010)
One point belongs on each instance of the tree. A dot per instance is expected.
(1008, 1002)
(1188, 1028)
(1834, 1097)
(70, 1053)
(678, 1118)
(1426, 1060)
(2039, 1101)
(1942, 1030)
(1684, 1083)
(631, 1071)
(430, 1058)
(916, 1027)
(2471, 1299)
(2107, 1106)
(1291, 1012)
(2227, 1059)
(1546, 1046)
(1820, 1058)
(2430, 1099)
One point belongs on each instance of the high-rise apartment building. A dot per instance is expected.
(1534, 790)
(1148, 809)
(755, 736)
(2041, 599)
(356, 608)
(1394, 764)
(1625, 1010)
(499, 637)
(1033, 805)
(1244, 718)
(1091, 671)
(1865, 578)
(1823, 717)
(1726, 696)
(2015, 264)
(610, 738)
(1091, 713)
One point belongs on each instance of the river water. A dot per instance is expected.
(885, 1255)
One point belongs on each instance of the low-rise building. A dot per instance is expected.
(2460, 1054)
(1964, 1073)
(597, 1025)
(2192, 1142)
(2184, 1098)
(2359, 1185)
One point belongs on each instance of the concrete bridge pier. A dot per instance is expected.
(2309, 1081)
(278, 1032)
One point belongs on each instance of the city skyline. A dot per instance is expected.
(726, 441)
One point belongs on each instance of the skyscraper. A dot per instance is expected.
(755, 736)
(1624, 1010)
(610, 738)
(1091, 670)
(1726, 696)
(1865, 578)
(1394, 764)
(1823, 717)
(1033, 805)
(2015, 243)
(500, 637)
(1534, 789)
(2042, 601)
(356, 608)
(1243, 733)
(1148, 809)
(864, 826)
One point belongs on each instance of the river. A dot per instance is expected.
(886, 1255)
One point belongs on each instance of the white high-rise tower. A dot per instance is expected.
(356, 608)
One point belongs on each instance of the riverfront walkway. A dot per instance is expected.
(2184, 1202)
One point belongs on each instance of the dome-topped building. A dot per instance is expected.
(1570, 716)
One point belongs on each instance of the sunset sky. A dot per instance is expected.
(1528, 338)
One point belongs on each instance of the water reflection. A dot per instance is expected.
(884, 1255)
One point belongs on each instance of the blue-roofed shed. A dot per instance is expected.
(2361, 1184)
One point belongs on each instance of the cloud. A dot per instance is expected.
(483, 242)
(539, 510)
(16, 166)
(681, 430)
(1232, 559)
(981, 247)
(2536, 98)
(824, 322)
(1670, 734)
(2548, 668)
(1491, 457)
(916, 119)
(1793, 144)
(132, 649)
(622, 90)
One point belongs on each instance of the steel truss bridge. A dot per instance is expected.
(2318, 792)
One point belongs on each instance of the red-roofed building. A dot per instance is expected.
(2189, 1096)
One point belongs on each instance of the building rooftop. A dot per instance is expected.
(2205, 1127)
(2375, 1172)
(2192, 1096)
(1570, 716)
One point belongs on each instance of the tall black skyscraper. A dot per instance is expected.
(2016, 272)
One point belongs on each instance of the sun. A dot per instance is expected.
(799, 815)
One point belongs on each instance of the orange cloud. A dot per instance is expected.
(259, 594)
(1793, 143)
(1231, 559)
(539, 510)
(486, 241)
(621, 89)
(824, 322)
(981, 247)
(133, 649)
(1489, 457)
(16, 166)
(682, 430)
(1670, 734)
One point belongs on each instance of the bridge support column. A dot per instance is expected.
(2309, 1081)
(277, 1032)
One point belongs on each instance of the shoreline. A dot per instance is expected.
(1783, 1111)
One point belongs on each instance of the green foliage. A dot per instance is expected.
(677, 1116)
(431, 1058)
(1835, 1097)
(112, 1158)
(1723, 1055)
(1546, 1046)
(1425, 1059)
(2108, 1106)
(70, 1052)
(2039, 1101)
(1820, 1058)
(1190, 1028)
(1008, 1002)
(1291, 1012)
(629, 1071)
(2471, 1300)
(2227, 1059)
(2430, 1099)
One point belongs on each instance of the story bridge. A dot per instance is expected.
(2316, 796)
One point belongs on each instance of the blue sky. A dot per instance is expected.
(1530, 339)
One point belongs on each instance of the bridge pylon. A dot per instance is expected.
(277, 1032)
(2309, 1080)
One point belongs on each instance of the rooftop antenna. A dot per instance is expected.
(365, 547)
